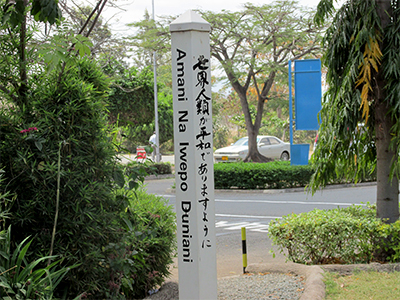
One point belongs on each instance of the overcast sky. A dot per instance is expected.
(133, 10)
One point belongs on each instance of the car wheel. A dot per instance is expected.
(285, 156)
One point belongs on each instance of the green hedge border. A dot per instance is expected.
(272, 175)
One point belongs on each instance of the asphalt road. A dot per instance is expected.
(254, 210)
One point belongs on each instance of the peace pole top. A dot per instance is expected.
(189, 21)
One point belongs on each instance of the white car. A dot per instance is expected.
(268, 146)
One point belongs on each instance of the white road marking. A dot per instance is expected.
(290, 202)
(251, 226)
(280, 202)
(246, 216)
(257, 226)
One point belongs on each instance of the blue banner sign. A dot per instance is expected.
(307, 87)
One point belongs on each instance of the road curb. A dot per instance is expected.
(299, 189)
(267, 191)
(163, 176)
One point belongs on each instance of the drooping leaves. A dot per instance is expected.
(359, 51)
(372, 59)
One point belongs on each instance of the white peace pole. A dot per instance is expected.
(194, 166)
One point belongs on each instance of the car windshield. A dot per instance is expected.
(244, 141)
(241, 142)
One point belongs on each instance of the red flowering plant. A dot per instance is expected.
(38, 169)
(29, 130)
(29, 135)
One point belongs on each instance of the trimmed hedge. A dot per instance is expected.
(271, 175)
(160, 168)
(150, 168)
(343, 235)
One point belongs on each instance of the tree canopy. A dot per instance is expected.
(253, 47)
(131, 106)
(360, 129)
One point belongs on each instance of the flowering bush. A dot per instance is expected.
(60, 149)
(63, 136)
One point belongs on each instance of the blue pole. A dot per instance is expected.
(290, 107)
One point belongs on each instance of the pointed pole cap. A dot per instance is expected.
(189, 21)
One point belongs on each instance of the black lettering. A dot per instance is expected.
(186, 252)
(186, 206)
(181, 94)
(180, 70)
(185, 228)
(185, 243)
(183, 166)
(184, 186)
(181, 81)
(182, 127)
(182, 116)
(181, 54)
(183, 151)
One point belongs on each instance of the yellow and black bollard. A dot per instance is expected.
(244, 249)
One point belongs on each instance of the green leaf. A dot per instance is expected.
(39, 145)
(3, 283)
(128, 223)
(133, 185)
(119, 178)
(22, 255)
(46, 11)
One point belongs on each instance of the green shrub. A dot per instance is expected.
(342, 235)
(69, 117)
(167, 148)
(160, 168)
(141, 260)
(150, 168)
(6, 200)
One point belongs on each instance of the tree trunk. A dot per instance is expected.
(253, 155)
(23, 88)
(387, 198)
(252, 129)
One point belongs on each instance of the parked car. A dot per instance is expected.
(268, 146)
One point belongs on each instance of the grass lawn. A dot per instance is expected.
(363, 285)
